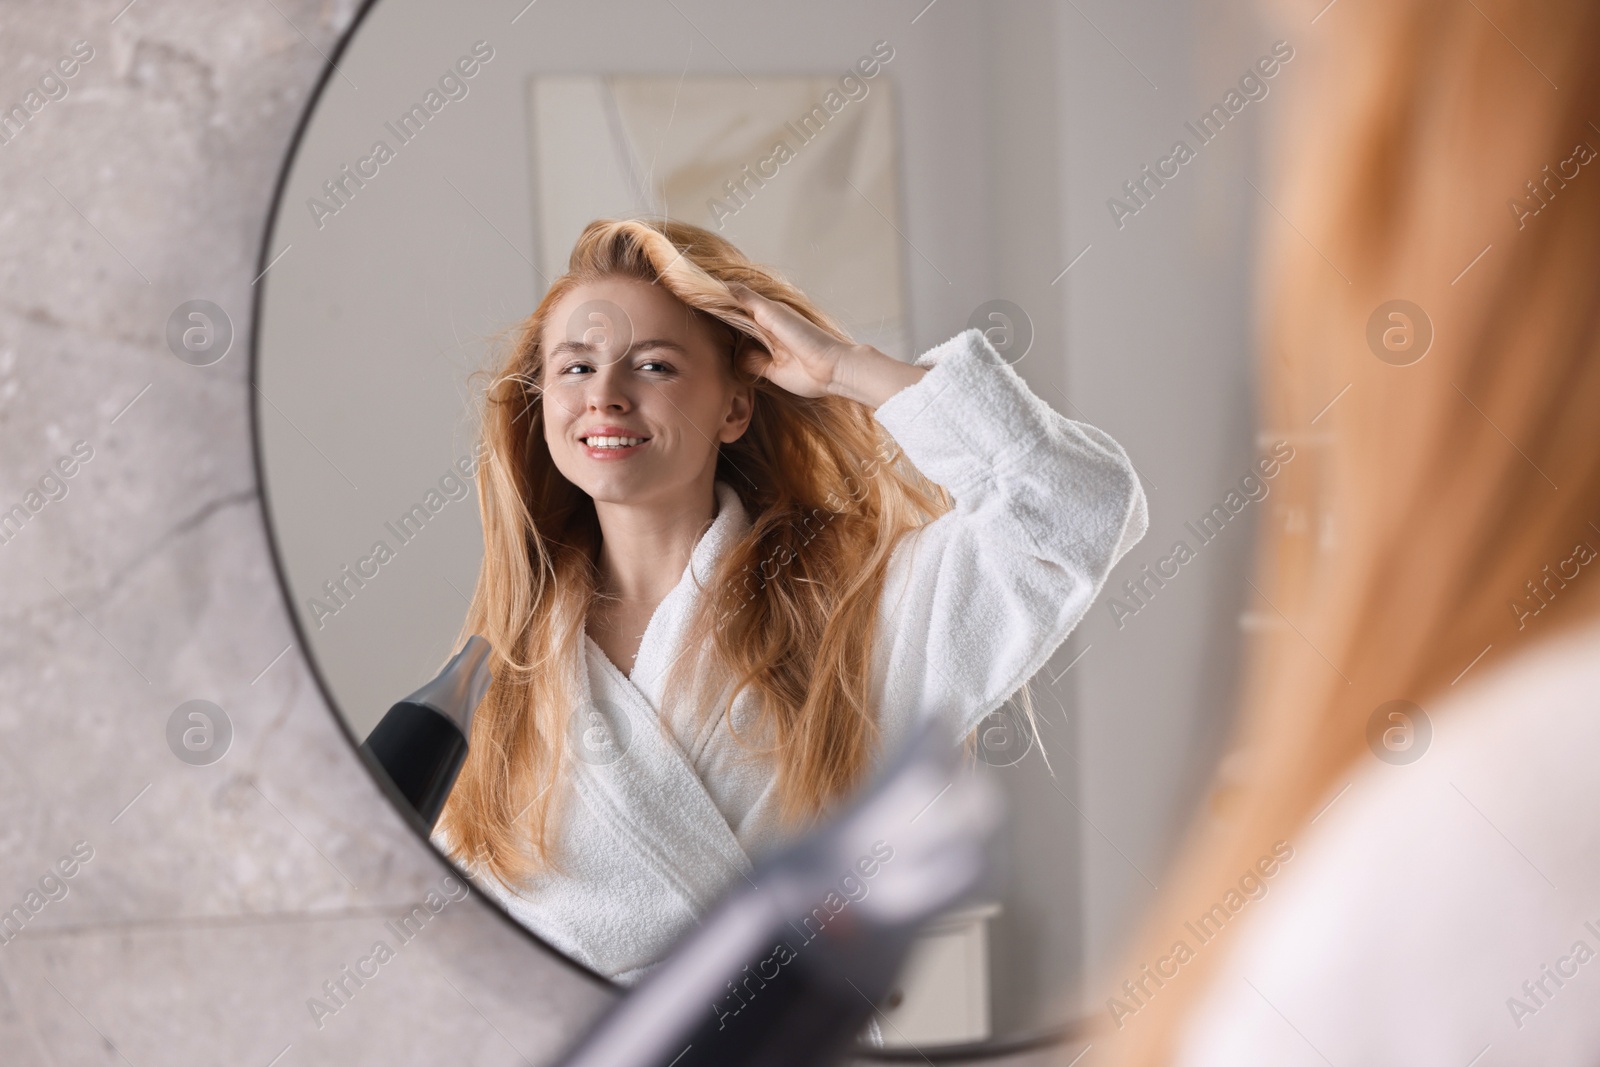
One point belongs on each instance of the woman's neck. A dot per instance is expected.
(645, 548)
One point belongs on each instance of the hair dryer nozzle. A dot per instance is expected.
(421, 742)
(458, 689)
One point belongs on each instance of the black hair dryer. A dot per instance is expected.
(421, 743)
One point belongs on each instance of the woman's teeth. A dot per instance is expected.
(613, 442)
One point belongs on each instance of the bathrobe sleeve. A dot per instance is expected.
(978, 600)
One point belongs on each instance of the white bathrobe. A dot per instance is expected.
(659, 822)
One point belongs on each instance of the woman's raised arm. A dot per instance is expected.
(977, 600)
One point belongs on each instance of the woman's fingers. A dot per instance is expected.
(786, 326)
(800, 355)
(758, 308)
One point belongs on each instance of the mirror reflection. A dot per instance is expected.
(676, 371)
(730, 558)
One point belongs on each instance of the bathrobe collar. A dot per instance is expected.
(661, 645)
(639, 779)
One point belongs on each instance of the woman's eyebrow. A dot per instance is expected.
(658, 342)
(565, 347)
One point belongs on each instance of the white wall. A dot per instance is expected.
(1160, 356)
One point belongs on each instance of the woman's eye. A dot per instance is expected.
(655, 366)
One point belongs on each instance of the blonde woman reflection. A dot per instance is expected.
(1401, 865)
(731, 557)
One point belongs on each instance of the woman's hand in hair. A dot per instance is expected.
(807, 360)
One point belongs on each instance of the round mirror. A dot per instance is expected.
(907, 183)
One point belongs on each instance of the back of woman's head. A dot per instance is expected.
(788, 614)
(1430, 347)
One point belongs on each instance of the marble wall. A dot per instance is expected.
(217, 897)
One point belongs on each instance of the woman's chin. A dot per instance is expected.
(617, 487)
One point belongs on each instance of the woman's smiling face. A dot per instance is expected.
(638, 393)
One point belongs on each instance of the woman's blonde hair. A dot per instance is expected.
(788, 614)
(1421, 538)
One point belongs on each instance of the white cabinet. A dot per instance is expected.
(942, 994)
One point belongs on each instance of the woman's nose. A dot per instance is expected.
(608, 391)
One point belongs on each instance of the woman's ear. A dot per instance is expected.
(741, 406)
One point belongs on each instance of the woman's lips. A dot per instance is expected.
(611, 453)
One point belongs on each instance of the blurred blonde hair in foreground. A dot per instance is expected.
(1440, 499)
